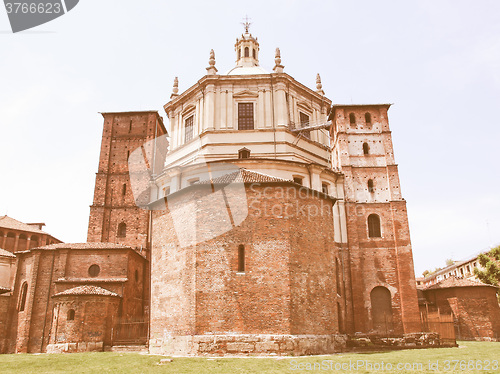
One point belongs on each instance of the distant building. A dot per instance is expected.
(459, 269)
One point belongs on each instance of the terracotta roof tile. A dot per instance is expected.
(457, 282)
(87, 290)
(4, 290)
(7, 222)
(244, 176)
(4, 253)
(83, 246)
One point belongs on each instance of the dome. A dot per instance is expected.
(247, 70)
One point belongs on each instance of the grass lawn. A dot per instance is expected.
(468, 354)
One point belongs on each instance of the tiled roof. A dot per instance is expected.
(457, 282)
(244, 176)
(84, 246)
(4, 290)
(92, 280)
(87, 290)
(7, 222)
(4, 253)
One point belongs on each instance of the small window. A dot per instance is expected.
(374, 226)
(188, 124)
(124, 189)
(247, 52)
(324, 188)
(352, 120)
(370, 186)
(122, 230)
(241, 258)
(239, 54)
(366, 148)
(130, 126)
(244, 153)
(136, 275)
(254, 54)
(24, 294)
(368, 118)
(298, 180)
(94, 270)
(71, 315)
(128, 155)
(304, 122)
(245, 116)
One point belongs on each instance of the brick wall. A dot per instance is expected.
(289, 282)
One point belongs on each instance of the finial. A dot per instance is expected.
(246, 24)
(319, 86)
(278, 68)
(211, 70)
(175, 90)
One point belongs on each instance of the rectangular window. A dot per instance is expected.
(324, 188)
(245, 116)
(304, 122)
(188, 124)
(241, 258)
(298, 180)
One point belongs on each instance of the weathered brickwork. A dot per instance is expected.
(366, 157)
(47, 271)
(114, 202)
(475, 310)
(289, 283)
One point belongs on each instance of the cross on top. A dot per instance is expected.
(246, 24)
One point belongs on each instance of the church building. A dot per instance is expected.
(261, 219)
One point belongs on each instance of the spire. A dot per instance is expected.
(247, 48)
(175, 90)
(278, 68)
(319, 86)
(211, 70)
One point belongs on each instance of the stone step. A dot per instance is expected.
(128, 348)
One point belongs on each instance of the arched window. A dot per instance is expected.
(122, 230)
(241, 258)
(374, 226)
(34, 241)
(71, 315)
(352, 119)
(370, 186)
(239, 54)
(24, 294)
(94, 270)
(254, 54)
(247, 52)
(366, 148)
(368, 118)
(380, 298)
(22, 242)
(338, 270)
(10, 242)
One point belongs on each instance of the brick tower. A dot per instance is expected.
(383, 293)
(114, 216)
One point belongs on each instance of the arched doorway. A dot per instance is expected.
(380, 298)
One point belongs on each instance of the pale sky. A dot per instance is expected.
(437, 61)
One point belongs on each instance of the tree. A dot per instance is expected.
(490, 261)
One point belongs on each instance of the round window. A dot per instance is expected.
(94, 270)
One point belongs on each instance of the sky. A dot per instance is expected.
(438, 62)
